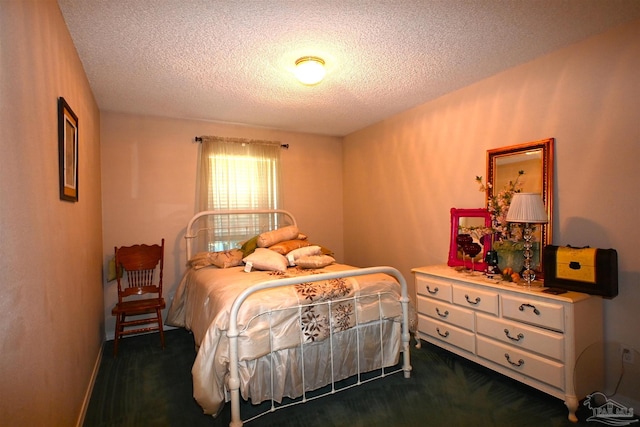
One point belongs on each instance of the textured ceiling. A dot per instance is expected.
(231, 61)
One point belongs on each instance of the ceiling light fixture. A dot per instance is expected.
(310, 70)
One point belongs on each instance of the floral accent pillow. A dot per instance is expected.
(223, 259)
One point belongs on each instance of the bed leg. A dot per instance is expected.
(234, 386)
(234, 376)
(406, 336)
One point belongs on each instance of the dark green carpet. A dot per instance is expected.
(148, 386)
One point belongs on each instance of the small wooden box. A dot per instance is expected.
(589, 270)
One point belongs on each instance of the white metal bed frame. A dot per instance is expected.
(192, 232)
(233, 383)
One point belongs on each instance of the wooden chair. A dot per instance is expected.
(138, 293)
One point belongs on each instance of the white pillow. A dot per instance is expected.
(293, 255)
(266, 259)
(270, 238)
(315, 261)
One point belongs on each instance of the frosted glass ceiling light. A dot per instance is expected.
(310, 70)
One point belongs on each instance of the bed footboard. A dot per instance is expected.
(234, 332)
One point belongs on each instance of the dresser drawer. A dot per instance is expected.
(433, 287)
(530, 336)
(542, 341)
(528, 364)
(530, 310)
(447, 333)
(445, 312)
(478, 299)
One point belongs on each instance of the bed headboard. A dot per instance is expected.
(212, 231)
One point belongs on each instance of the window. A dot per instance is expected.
(238, 174)
(243, 182)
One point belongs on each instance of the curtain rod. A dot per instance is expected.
(285, 146)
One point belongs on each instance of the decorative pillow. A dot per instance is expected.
(287, 246)
(249, 246)
(199, 260)
(226, 259)
(270, 238)
(304, 251)
(315, 261)
(266, 259)
(325, 251)
(223, 259)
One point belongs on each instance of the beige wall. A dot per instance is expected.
(395, 183)
(51, 331)
(402, 175)
(149, 176)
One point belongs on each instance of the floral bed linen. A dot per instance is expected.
(203, 301)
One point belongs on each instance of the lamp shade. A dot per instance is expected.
(528, 208)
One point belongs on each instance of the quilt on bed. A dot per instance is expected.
(202, 304)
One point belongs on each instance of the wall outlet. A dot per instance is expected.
(627, 354)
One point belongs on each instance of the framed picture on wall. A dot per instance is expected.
(68, 151)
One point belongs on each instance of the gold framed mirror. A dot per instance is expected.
(535, 159)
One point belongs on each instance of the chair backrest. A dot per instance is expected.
(136, 267)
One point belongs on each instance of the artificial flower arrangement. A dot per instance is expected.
(498, 206)
(505, 237)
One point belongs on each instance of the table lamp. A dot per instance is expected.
(527, 208)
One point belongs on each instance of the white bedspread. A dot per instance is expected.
(202, 304)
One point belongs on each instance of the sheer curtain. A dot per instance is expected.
(237, 173)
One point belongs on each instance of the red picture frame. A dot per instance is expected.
(468, 218)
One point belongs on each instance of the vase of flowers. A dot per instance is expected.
(506, 238)
(510, 254)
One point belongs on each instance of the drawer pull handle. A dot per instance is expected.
(477, 300)
(446, 334)
(432, 292)
(445, 314)
(520, 362)
(535, 310)
(517, 338)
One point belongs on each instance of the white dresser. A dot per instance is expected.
(528, 335)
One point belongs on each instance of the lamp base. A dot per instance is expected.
(528, 275)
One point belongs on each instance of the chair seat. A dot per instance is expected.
(142, 306)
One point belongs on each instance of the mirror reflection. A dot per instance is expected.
(468, 246)
(508, 166)
(531, 165)
(469, 241)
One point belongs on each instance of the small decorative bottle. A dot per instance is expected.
(491, 258)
